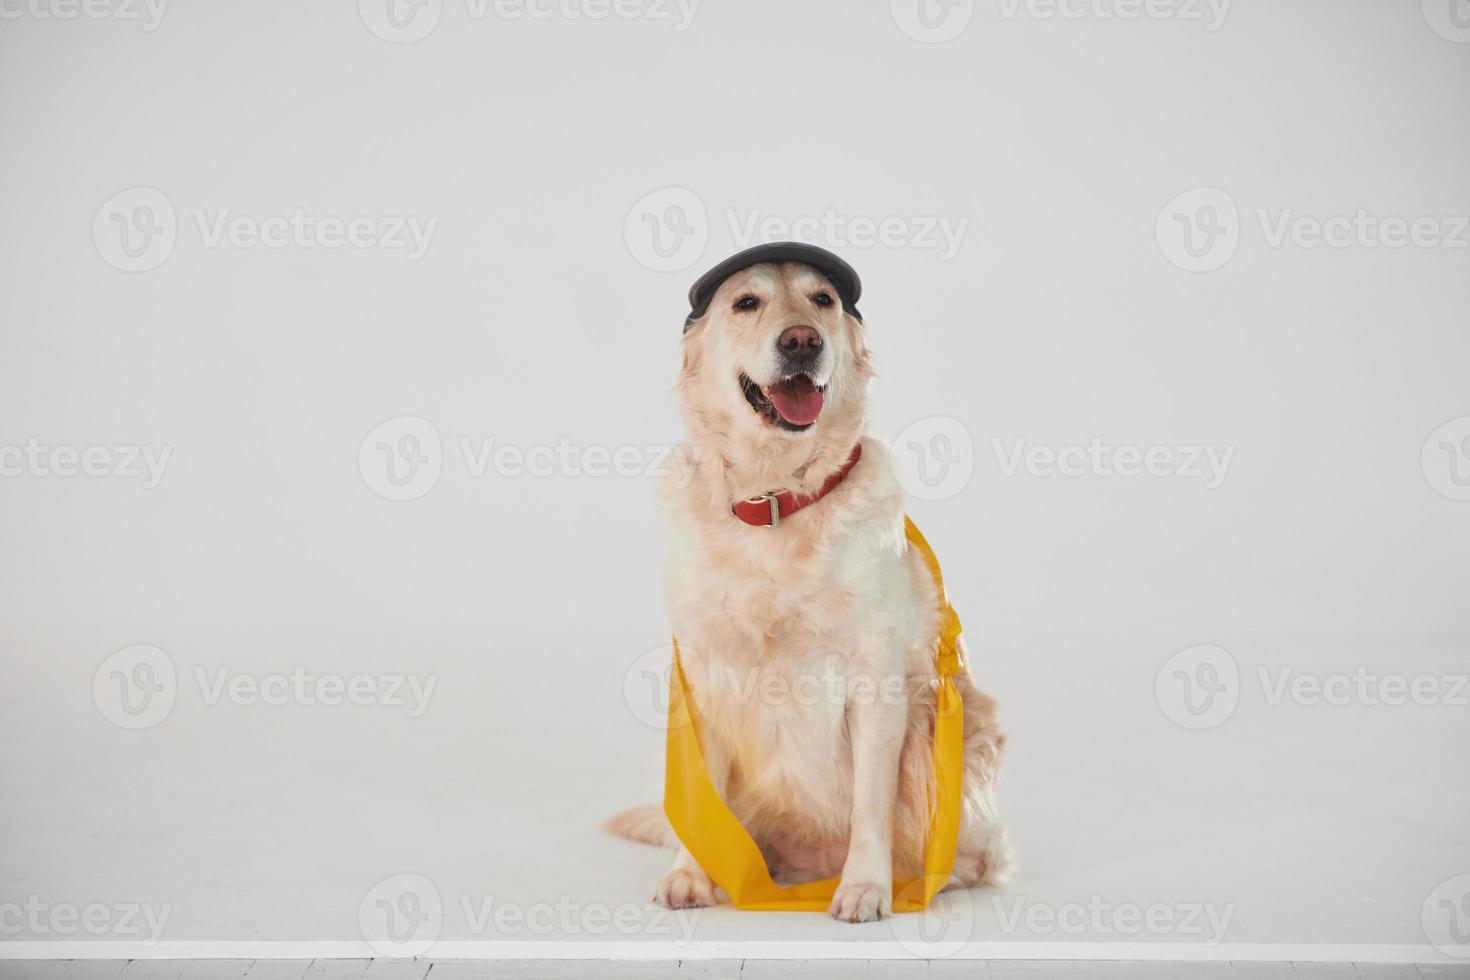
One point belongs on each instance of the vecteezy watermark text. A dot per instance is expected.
(130, 920)
(1201, 686)
(939, 233)
(1362, 229)
(136, 230)
(402, 915)
(937, 21)
(403, 458)
(1199, 462)
(668, 230)
(1210, 13)
(138, 686)
(1201, 229)
(566, 458)
(299, 686)
(124, 462)
(406, 21)
(934, 459)
(1100, 917)
(148, 13)
(299, 229)
(809, 681)
(1363, 686)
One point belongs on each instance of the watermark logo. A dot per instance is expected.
(136, 687)
(1446, 917)
(148, 13)
(1446, 459)
(400, 21)
(402, 458)
(1199, 230)
(646, 686)
(401, 915)
(1450, 19)
(667, 230)
(942, 928)
(933, 458)
(1199, 687)
(932, 21)
(135, 230)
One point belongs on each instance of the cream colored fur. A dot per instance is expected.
(809, 646)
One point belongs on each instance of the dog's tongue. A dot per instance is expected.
(797, 399)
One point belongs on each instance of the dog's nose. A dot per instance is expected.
(799, 340)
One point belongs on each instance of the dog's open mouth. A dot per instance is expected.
(793, 403)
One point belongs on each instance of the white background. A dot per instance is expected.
(537, 315)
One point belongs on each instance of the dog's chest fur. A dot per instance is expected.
(779, 627)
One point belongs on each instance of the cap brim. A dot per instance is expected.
(843, 277)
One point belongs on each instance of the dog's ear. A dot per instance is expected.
(692, 348)
(857, 339)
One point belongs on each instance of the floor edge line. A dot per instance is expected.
(718, 950)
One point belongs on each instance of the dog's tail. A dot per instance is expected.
(645, 824)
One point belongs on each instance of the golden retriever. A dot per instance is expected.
(809, 646)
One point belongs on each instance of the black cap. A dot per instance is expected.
(842, 276)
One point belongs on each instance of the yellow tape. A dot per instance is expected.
(726, 851)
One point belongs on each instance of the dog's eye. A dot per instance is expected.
(747, 303)
(822, 299)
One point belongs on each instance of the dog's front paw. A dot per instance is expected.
(861, 901)
(682, 889)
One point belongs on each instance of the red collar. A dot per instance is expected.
(769, 509)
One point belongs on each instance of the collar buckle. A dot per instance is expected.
(772, 502)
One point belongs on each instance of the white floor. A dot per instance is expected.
(1289, 832)
(716, 970)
